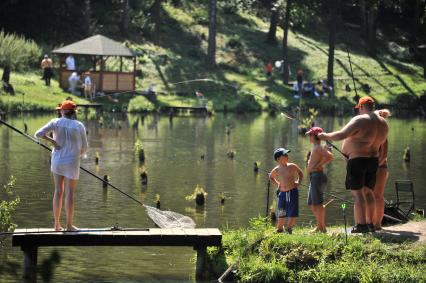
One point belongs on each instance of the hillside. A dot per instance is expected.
(241, 56)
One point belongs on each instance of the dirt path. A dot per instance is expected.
(413, 231)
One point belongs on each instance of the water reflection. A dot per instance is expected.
(174, 163)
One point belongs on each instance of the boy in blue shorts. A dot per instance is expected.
(287, 177)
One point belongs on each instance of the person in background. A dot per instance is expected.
(287, 176)
(70, 62)
(381, 178)
(69, 142)
(319, 157)
(87, 86)
(47, 65)
(268, 70)
(73, 81)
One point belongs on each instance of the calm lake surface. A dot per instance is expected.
(174, 166)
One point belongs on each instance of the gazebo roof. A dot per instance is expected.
(96, 45)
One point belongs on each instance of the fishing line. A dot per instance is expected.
(159, 217)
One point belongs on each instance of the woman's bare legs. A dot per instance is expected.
(379, 192)
(70, 186)
(57, 200)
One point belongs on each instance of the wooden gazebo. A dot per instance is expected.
(99, 49)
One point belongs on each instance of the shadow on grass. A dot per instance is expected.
(397, 237)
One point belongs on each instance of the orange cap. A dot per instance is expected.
(68, 105)
(364, 100)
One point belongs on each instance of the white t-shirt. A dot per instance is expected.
(70, 135)
(87, 81)
(70, 62)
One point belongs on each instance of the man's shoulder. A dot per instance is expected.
(292, 165)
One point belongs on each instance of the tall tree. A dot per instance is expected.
(124, 25)
(272, 33)
(211, 49)
(285, 45)
(372, 9)
(417, 6)
(157, 19)
(363, 18)
(87, 18)
(334, 15)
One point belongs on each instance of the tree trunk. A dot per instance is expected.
(87, 18)
(334, 14)
(372, 26)
(363, 18)
(416, 23)
(272, 33)
(285, 47)
(157, 19)
(124, 25)
(211, 49)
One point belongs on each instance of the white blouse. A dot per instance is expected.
(70, 135)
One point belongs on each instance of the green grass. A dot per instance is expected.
(32, 95)
(266, 256)
(182, 44)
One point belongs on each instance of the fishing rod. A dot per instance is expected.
(352, 73)
(85, 170)
(79, 231)
(159, 217)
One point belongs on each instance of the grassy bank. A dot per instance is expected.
(32, 95)
(266, 256)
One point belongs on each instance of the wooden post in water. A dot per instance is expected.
(30, 264)
(201, 261)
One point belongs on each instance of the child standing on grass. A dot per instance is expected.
(287, 177)
(318, 158)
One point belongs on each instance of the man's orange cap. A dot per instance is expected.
(364, 100)
(68, 105)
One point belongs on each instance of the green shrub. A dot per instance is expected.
(19, 53)
(247, 103)
(140, 104)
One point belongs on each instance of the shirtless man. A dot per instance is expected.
(318, 158)
(363, 136)
(287, 177)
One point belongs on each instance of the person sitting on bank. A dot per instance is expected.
(73, 81)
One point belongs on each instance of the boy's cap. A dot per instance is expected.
(68, 105)
(314, 131)
(364, 100)
(280, 152)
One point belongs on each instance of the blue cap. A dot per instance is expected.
(280, 152)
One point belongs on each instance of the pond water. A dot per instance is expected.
(174, 165)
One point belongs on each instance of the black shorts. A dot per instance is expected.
(361, 172)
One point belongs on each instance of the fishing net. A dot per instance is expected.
(169, 219)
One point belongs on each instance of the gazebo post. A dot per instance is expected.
(134, 73)
(121, 64)
(101, 74)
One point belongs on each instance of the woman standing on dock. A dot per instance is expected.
(70, 143)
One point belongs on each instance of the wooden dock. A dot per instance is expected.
(182, 109)
(30, 239)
